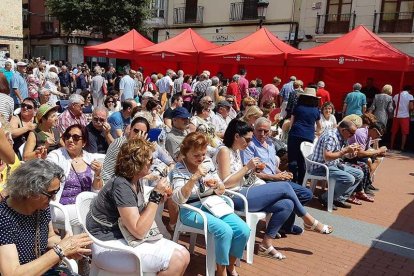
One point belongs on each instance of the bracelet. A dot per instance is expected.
(98, 177)
(155, 197)
(59, 251)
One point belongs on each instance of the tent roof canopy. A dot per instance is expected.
(184, 47)
(122, 47)
(359, 49)
(259, 48)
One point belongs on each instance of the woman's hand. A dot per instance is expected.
(220, 189)
(30, 126)
(253, 163)
(41, 152)
(73, 246)
(49, 142)
(162, 187)
(96, 167)
(201, 171)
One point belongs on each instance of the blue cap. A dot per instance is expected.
(180, 112)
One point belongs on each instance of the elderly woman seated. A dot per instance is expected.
(82, 172)
(194, 177)
(121, 208)
(28, 244)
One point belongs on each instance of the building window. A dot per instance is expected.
(338, 16)
(25, 8)
(59, 52)
(158, 8)
(396, 16)
(190, 14)
(246, 10)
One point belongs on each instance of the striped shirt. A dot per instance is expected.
(330, 140)
(6, 106)
(66, 119)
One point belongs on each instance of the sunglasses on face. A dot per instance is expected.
(247, 139)
(137, 131)
(98, 120)
(27, 106)
(110, 102)
(210, 102)
(50, 194)
(75, 137)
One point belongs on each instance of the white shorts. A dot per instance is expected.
(154, 256)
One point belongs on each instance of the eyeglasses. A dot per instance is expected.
(352, 133)
(110, 102)
(210, 102)
(50, 194)
(137, 131)
(230, 102)
(252, 104)
(265, 131)
(75, 137)
(27, 106)
(81, 105)
(88, 98)
(247, 139)
(98, 120)
(207, 109)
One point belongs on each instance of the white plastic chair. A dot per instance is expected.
(208, 237)
(307, 150)
(65, 225)
(252, 218)
(83, 202)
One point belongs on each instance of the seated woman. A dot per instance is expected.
(328, 119)
(82, 172)
(22, 124)
(45, 137)
(28, 244)
(122, 198)
(88, 106)
(189, 182)
(111, 104)
(251, 114)
(279, 198)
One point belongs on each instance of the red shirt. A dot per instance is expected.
(324, 95)
(233, 89)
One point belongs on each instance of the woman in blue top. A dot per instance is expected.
(304, 116)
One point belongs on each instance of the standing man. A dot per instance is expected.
(180, 121)
(370, 91)
(243, 83)
(178, 82)
(121, 119)
(176, 101)
(355, 102)
(221, 119)
(329, 150)
(99, 132)
(284, 95)
(403, 105)
(110, 77)
(65, 80)
(165, 87)
(128, 86)
(270, 92)
(323, 94)
(18, 85)
(7, 71)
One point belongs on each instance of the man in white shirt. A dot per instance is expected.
(127, 86)
(403, 105)
(165, 87)
(222, 119)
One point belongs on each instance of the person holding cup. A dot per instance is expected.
(195, 177)
(122, 200)
(276, 198)
(81, 169)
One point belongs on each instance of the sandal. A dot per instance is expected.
(354, 200)
(231, 273)
(267, 252)
(326, 229)
(365, 197)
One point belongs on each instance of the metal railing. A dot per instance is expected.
(394, 22)
(180, 17)
(239, 12)
(335, 23)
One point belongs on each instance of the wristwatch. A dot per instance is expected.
(59, 251)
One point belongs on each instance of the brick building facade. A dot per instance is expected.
(11, 29)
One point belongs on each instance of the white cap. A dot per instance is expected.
(148, 95)
(21, 63)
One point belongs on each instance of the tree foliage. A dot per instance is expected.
(104, 16)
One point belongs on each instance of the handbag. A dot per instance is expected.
(216, 205)
(104, 89)
(153, 234)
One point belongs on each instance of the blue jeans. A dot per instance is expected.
(230, 232)
(347, 179)
(277, 198)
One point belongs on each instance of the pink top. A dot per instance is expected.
(243, 85)
(269, 92)
(188, 89)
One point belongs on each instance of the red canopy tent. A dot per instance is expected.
(351, 58)
(179, 52)
(123, 47)
(262, 54)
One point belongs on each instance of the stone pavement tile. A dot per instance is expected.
(316, 254)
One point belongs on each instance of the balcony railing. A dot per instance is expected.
(47, 27)
(180, 16)
(240, 12)
(335, 23)
(396, 22)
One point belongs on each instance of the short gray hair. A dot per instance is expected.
(236, 77)
(75, 98)
(215, 81)
(262, 121)
(321, 84)
(357, 86)
(180, 73)
(7, 63)
(99, 109)
(32, 178)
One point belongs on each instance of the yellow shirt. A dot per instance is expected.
(7, 170)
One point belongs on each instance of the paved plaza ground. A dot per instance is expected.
(372, 239)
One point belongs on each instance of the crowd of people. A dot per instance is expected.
(66, 130)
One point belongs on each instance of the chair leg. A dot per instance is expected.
(313, 184)
(331, 191)
(193, 238)
(252, 223)
(210, 256)
(305, 180)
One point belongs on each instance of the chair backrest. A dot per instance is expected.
(307, 149)
(83, 205)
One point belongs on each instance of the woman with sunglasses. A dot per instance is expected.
(111, 104)
(81, 170)
(22, 124)
(45, 137)
(278, 199)
(28, 244)
(195, 177)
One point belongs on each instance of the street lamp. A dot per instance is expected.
(261, 11)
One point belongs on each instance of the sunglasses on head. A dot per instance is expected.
(50, 194)
(75, 137)
(27, 106)
(98, 120)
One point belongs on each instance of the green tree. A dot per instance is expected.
(104, 16)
